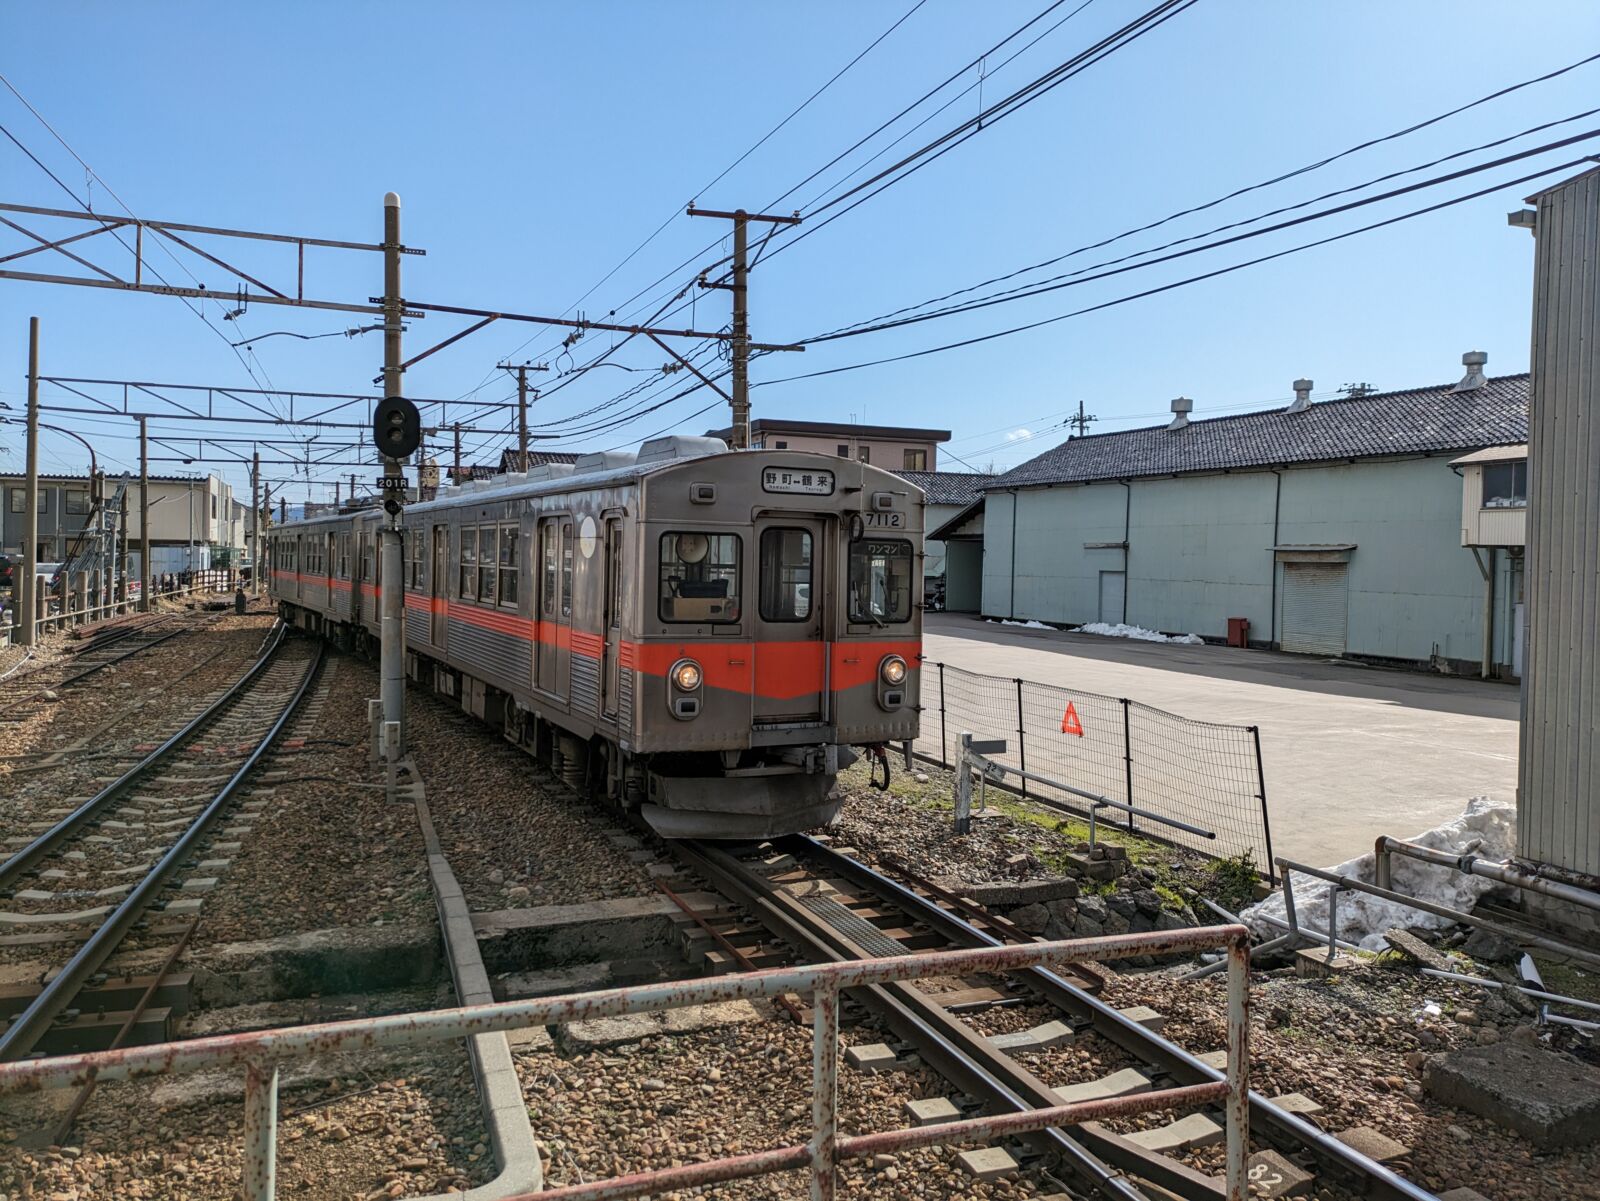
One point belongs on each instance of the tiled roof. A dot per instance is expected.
(948, 487)
(1417, 421)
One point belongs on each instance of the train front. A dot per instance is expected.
(781, 637)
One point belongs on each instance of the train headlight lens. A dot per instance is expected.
(686, 675)
(893, 670)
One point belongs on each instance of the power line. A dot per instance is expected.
(1078, 278)
(1193, 279)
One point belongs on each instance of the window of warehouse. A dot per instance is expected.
(77, 502)
(469, 563)
(19, 500)
(508, 565)
(880, 581)
(486, 563)
(699, 579)
(1505, 485)
(785, 575)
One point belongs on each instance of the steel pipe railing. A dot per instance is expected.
(261, 1052)
(1489, 869)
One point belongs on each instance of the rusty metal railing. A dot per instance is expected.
(260, 1053)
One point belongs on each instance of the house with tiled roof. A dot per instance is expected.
(1332, 528)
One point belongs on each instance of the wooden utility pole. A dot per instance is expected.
(521, 370)
(456, 474)
(257, 559)
(739, 401)
(28, 609)
(1081, 420)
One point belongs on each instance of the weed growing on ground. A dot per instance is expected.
(1233, 881)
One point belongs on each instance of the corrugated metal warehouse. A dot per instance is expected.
(1332, 528)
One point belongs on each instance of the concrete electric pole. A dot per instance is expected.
(144, 517)
(258, 560)
(521, 370)
(28, 608)
(391, 626)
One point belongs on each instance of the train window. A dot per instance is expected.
(415, 565)
(548, 556)
(469, 563)
(785, 575)
(880, 580)
(487, 561)
(566, 569)
(699, 577)
(508, 565)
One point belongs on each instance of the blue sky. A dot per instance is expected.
(536, 145)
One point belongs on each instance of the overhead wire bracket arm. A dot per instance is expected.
(698, 374)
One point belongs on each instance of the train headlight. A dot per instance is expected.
(686, 675)
(893, 670)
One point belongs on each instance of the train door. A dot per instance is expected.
(363, 575)
(439, 583)
(790, 683)
(612, 633)
(553, 625)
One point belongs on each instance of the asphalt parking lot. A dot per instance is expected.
(1350, 751)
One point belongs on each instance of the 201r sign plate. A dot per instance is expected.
(809, 483)
(393, 483)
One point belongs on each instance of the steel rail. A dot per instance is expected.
(41, 847)
(1381, 1183)
(89, 670)
(26, 1030)
(951, 1047)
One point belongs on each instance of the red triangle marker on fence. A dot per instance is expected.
(1070, 723)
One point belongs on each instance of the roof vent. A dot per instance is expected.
(602, 460)
(548, 471)
(679, 446)
(1302, 396)
(1181, 408)
(1473, 361)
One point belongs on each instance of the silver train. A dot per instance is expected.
(701, 635)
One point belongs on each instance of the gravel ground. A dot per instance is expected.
(729, 1090)
(418, 1132)
(1022, 841)
(1356, 1045)
(514, 835)
(329, 850)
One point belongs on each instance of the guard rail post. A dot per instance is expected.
(944, 737)
(963, 822)
(1261, 795)
(1127, 756)
(1022, 746)
(260, 1132)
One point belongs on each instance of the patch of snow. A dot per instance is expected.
(1107, 630)
(1027, 625)
(1486, 828)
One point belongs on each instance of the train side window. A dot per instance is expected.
(508, 565)
(699, 577)
(548, 557)
(487, 543)
(880, 580)
(785, 574)
(469, 563)
(566, 569)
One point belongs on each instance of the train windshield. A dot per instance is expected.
(699, 577)
(880, 581)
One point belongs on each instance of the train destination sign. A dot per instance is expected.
(809, 482)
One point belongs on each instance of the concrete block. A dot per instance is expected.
(215, 865)
(1012, 893)
(871, 1057)
(200, 884)
(1375, 1146)
(987, 1163)
(1097, 869)
(1146, 1017)
(1316, 961)
(931, 1111)
(1215, 1059)
(1191, 1130)
(182, 908)
(1051, 1034)
(1419, 952)
(226, 848)
(1548, 1099)
(1271, 1175)
(1297, 1103)
(1118, 1084)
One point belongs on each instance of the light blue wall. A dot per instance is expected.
(1199, 553)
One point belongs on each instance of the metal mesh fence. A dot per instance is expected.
(1202, 773)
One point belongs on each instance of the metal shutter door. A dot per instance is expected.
(1314, 597)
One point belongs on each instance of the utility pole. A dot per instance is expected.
(283, 509)
(122, 552)
(352, 488)
(144, 517)
(28, 610)
(391, 626)
(456, 474)
(522, 370)
(740, 287)
(1081, 420)
(257, 559)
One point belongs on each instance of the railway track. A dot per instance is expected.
(24, 694)
(91, 879)
(828, 906)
